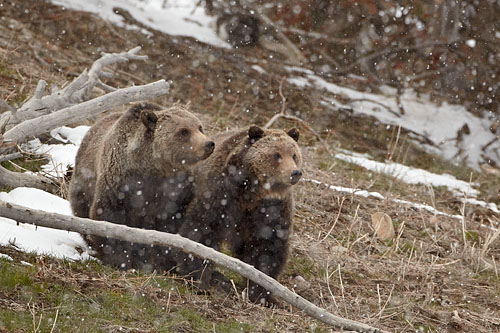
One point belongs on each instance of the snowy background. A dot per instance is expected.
(437, 123)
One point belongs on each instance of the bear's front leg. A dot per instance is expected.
(204, 223)
(264, 243)
(121, 204)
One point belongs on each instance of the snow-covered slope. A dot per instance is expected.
(174, 17)
(440, 124)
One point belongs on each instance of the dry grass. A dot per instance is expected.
(438, 274)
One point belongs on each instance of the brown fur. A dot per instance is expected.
(131, 169)
(244, 198)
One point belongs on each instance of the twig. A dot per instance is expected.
(40, 59)
(152, 237)
(327, 278)
(282, 114)
(386, 302)
(55, 321)
(319, 35)
(483, 148)
(335, 222)
(342, 288)
(283, 105)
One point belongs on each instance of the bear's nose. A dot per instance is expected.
(295, 176)
(209, 146)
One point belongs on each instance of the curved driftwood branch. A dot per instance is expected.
(82, 111)
(79, 90)
(106, 229)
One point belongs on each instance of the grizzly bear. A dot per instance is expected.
(132, 169)
(243, 197)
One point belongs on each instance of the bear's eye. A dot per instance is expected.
(201, 129)
(295, 158)
(184, 132)
(277, 157)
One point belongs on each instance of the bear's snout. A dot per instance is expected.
(209, 146)
(295, 176)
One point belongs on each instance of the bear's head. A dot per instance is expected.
(271, 160)
(175, 135)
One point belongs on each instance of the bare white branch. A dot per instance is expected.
(78, 91)
(78, 112)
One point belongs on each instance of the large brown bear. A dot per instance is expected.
(244, 198)
(132, 169)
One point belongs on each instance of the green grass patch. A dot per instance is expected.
(122, 300)
(25, 163)
(7, 72)
(301, 266)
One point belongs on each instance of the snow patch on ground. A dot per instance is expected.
(173, 17)
(259, 69)
(412, 175)
(427, 208)
(6, 257)
(29, 238)
(489, 205)
(438, 123)
(463, 190)
(353, 191)
(69, 134)
(363, 193)
(62, 156)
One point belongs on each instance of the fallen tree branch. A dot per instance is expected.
(106, 229)
(79, 90)
(9, 157)
(17, 179)
(82, 111)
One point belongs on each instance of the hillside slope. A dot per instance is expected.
(439, 273)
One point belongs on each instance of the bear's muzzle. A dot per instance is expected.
(295, 176)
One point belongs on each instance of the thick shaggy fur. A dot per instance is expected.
(131, 169)
(244, 197)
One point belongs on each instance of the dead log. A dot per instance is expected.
(79, 90)
(33, 127)
(17, 179)
(107, 229)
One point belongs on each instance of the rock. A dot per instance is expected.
(300, 284)
(382, 224)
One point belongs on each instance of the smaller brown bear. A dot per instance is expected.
(132, 169)
(243, 197)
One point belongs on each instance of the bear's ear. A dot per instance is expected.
(149, 119)
(136, 109)
(294, 133)
(255, 133)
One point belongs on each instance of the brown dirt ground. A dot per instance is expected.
(438, 273)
